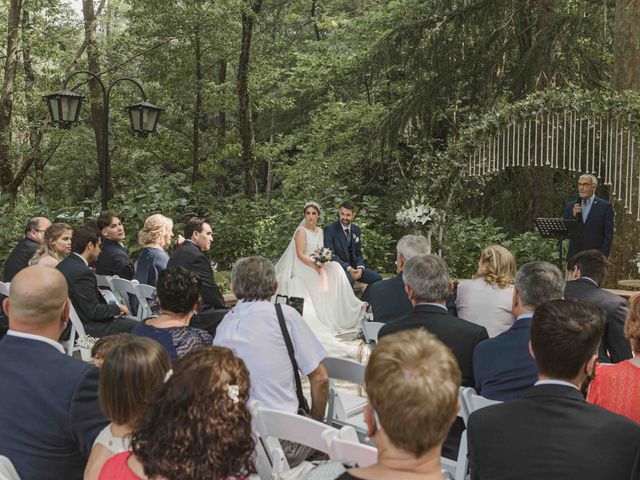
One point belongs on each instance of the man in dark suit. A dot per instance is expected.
(113, 259)
(588, 270)
(99, 318)
(552, 432)
(20, 256)
(427, 284)
(502, 366)
(49, 409)
(190, 255)
(344, 239)
(387, 298)
(594, 216)
(24, 250)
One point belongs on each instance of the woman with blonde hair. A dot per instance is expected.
(55, 246)
(154, 238)
(486, 300)
(617, 387)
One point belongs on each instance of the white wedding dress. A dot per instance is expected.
(330, 306)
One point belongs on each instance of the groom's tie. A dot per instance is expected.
(346, 233)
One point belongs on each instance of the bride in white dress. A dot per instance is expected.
(330, 305)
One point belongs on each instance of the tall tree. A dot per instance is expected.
(244, 111)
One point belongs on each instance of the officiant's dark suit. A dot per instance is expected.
(552, 433)
(347, 250)
(597, 229)
(190, 257)
(459, 335)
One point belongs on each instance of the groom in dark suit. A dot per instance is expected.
(594, 216)
(344, 239)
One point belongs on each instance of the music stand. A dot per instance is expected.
(559, 229)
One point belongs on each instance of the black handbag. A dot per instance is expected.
(303, 406)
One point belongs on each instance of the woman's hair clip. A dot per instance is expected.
(233, 392)
(168, 375)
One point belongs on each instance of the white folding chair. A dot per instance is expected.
(7, 470)
(77, 328)
(272, 426)
(342, 405)
(145, 294)
(471, 402)
(4, 288)
(122, 288)
(370, 331)
(344, 447)
(104, 281)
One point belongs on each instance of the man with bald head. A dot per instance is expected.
(49, 410)
(24, 250)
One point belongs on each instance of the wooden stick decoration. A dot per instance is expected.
(600, 150)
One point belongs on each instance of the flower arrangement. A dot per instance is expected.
(86, 342)
(322, 255)
(418, 214)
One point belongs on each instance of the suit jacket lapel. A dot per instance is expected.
(594, 207)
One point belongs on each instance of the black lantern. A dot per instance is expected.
(144, 117)
(64, 107)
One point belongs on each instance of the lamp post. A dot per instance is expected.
(64, 110)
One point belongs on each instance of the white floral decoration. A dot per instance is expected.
(233, 392)
(86, 342)
(418, 213)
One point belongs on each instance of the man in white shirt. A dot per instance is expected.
(49, 409)
(252, 331)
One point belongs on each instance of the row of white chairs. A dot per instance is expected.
(123, 288)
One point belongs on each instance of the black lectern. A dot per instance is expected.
(560, 229)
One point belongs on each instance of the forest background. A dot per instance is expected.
(269, 103)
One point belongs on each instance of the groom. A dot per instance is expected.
(343, 238)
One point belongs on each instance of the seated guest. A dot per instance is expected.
(251, 329)
(130, 378)
(486, 300)
(99, 318)
(104, 345)
(154, 238)
(24, 250)
(412, 384)
(552, 432)
(588, 270)
(55, 246)
(387, 298)
(179, 295)
(197, 428)
(503, 366)
(113, 259)
(427, 284)
(190, 255)
(49, 411)
(617, 387)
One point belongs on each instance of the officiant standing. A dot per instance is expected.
(594, 216)
(344, 239)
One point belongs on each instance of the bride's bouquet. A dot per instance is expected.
(322, 255)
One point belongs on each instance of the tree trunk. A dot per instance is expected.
(198, 105)
(546, 41)
(35, 131)
(97, 107)
(6, 99)
(626, 49)
(626, 65)
(314, 7)
(221, 179)
(245, 124)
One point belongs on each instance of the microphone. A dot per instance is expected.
(578, 216)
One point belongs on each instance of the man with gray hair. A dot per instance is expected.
(594, 216)
(503, 367)
(252, 331)
(427, 284)
(387, 298)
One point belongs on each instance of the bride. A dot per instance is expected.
(330, 305)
